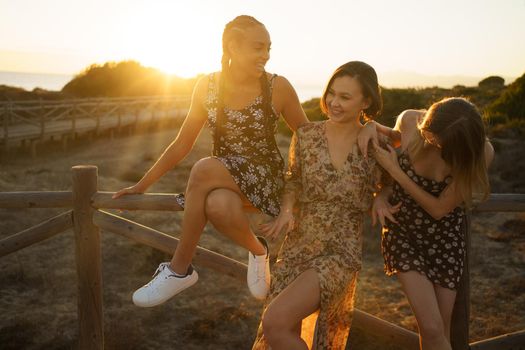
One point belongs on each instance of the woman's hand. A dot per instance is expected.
(387, 158)
(382, 209)
(367, 133)
(273, 229)
(135, 189)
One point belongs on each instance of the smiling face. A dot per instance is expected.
(252, 51)
(345, 100)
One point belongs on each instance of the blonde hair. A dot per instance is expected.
(458, 125)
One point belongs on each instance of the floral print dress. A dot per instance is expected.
(434, 248)
(326, 235)
(247, 148)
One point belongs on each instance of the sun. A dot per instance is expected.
(165, 36)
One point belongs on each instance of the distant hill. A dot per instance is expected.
(11, 93)
(126, 78)
(406, 79)
(499, 102)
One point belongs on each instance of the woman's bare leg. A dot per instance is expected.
(225, 210)
(282, 317)
(446, 298)
(207, 174)
(422, 298)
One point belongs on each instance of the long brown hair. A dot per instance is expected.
(235, 31)
(367, 78)
(458, 126)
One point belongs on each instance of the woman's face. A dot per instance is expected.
(252, 53)
(345, 100)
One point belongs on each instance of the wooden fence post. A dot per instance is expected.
(89, 260)
(7, 111)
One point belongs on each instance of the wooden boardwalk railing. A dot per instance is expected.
(87, 218)
(32, 122)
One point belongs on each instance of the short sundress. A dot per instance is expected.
(435, 248)
(247, 148)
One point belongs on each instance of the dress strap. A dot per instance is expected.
(270, 82)
(212, 89)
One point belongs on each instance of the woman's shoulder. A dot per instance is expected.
(407, 125)
(204, 83)
(409, 119)
(280, 84)
(489, 152)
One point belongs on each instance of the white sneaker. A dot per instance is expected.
(258, 277)
(163, 286)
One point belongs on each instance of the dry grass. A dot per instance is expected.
(38, 284)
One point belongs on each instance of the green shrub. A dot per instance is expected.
(512, 101)
(126, 78)
(495, 118)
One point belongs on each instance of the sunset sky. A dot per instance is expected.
(401, 39)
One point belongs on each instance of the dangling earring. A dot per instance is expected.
(362, 116)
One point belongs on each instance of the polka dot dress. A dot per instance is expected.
(435, 248)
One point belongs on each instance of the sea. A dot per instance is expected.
(55, 82)
(30, 81)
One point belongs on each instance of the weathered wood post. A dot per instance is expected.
(7, 111)
(89, 260)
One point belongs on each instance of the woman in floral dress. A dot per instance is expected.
(241, 104)
(331, 185)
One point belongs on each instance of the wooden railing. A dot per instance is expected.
(35, 121)
(86, 217)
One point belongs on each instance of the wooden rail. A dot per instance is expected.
(87, 218)
(33, 122)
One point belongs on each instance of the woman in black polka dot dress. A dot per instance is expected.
(443, 161)
(435, 248)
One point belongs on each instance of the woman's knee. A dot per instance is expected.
(274, 323)
(202, 171)
(270, 325)
(431, 329)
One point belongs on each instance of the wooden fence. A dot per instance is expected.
(32, 122)
(86, 217)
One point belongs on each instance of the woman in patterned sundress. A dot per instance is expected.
(331, 185)
(443, 161)
(241, 104)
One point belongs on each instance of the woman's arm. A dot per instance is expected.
(370, 131)
(292, 188)
(180, 147)
(287, 103)
(437, 207)
(489, 153)
(448, 199)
